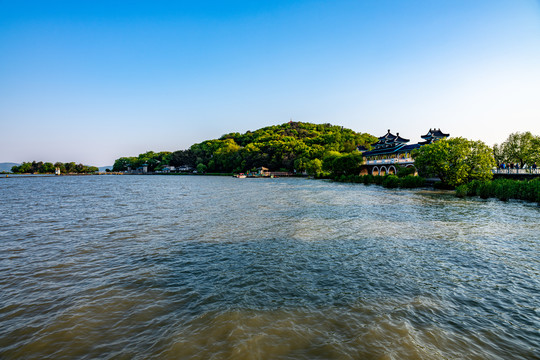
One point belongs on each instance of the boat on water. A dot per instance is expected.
(240, 176)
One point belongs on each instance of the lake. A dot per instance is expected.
(201, 267)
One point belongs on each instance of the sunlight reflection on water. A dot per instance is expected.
(202, 267)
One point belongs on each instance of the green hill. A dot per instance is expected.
(291, 146)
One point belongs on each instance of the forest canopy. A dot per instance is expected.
(293, 146)
(153, 161)
(39, 167)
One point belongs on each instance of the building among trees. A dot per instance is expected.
(392, 151)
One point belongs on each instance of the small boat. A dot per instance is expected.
(240, 176)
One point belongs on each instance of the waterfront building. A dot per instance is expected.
(185, 168)
(392, 151)
(168, 168)
(262, 171)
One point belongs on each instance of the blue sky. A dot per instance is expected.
(90, 81)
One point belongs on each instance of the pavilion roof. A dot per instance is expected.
(389, 140)
(401, 148)
(389, 137)
(434, 133)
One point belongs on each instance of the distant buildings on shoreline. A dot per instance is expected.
(386, 156)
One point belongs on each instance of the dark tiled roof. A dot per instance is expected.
(389, 140)
(396, 149)
(388, 135)
(391, 144)
(400, 139)
(437, 133)
(382, 151)
(411, 147)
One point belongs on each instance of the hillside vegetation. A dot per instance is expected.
(288, 147)
(39, 167)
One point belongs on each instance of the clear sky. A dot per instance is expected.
(90, 81)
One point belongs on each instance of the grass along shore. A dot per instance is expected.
(502, 189)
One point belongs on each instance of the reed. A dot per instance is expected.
(502, 189)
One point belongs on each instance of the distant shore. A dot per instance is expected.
(11, 175)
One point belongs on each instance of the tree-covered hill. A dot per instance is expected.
(39, 167)
(291, 146)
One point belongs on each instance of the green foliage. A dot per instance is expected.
(461, 190)
(486, 190)
(323, 175)
(521, 148)
(455, 161)
(405, 171)
(314, 166)
(388, 181)
(201, 168)
(40, 167)
(391, 181)
(290, 146)
(502, 189)
(411, 182)
(338, 163)
(123, 163)
(183, 158)
(47, 168)
(367, 179)
(24, 168)
(472, 187)
(151, 159)
(505, 189)
(378, 180)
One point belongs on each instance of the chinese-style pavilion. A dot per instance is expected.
(391, 150)
(433, 135)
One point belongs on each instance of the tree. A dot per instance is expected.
(183, 157)
(24, 168)
(201, 168)
(36, 166)
(290, 146)
(71, 167)
(340, 164)
(498, 154)
(314, 167)
(47, 168)
(123, 163)
(535, 153)
(522, 148)
(455, 161)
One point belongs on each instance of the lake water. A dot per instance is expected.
(189, 267)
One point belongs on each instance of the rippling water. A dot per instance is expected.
(172, 267)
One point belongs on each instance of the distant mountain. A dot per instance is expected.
(7, 166)
(103, 168)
